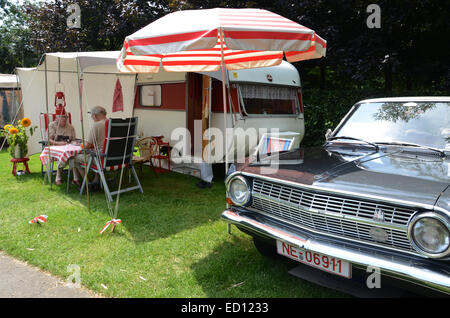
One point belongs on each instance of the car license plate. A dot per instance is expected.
(327, 263)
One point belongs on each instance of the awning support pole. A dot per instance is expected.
(224, 99)
(49, 172)
(82, 133)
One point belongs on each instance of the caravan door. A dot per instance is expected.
(198, 111)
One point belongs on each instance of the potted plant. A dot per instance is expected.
(17, 137)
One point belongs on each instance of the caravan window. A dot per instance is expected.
(268, 100)
(150, 95)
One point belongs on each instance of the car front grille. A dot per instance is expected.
(334, 215)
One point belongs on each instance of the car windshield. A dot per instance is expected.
(423, 123)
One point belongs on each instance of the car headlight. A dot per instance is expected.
(238, 191)
(430, 234)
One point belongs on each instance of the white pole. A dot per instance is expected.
(49, 171)
(224, 110)
(224, 100)
(80, 99)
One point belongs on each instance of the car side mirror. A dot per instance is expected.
(328, 133)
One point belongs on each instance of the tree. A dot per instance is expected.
(398, 54)
(407, 51)
(104, 23)
(15, 49)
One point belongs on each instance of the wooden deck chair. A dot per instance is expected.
(119, 142)
(145, 148)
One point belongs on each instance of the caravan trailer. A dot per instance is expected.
(260, 101)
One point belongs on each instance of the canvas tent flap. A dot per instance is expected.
(68, 61)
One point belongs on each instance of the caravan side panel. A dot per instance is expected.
(169, 114)
(159, 122)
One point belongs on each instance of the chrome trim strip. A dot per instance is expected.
(413, 272)
(409, 204)
(334, 215)
(333, 235)
(397, 235)
(344, 119)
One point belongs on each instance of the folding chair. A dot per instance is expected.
(156, 146)
(116, 154)
(145, 153)
(44, 122)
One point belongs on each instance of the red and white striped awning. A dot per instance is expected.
(190, 41)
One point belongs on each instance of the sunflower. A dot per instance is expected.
(25, 122)
(7, 127)
(13, 130)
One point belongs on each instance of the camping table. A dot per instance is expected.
(62, 154)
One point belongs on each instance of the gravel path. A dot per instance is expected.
(20, 280)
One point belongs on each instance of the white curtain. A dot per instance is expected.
(268, 92)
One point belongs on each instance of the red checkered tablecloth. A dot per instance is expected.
(60, 153)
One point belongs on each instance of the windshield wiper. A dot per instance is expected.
(410, 144)
(356, 139)
(259, 162)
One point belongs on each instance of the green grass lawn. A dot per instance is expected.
(171, 243)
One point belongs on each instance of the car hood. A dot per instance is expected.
(391, 174)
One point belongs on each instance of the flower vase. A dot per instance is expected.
(19, 153)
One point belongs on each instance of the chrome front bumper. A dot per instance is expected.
(420, 272)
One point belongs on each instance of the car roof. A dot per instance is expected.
(408, 99)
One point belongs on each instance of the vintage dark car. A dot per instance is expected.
(376, 194)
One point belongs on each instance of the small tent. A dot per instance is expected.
(9, 98)
(58, 72)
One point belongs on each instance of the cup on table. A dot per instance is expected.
(76, 142)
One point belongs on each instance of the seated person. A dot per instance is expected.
(60, 133)
(95, 140)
